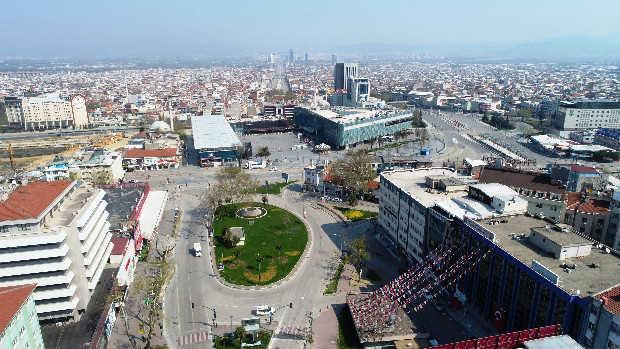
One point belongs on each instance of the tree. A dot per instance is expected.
(263, 152)
(290, 95)
(259, 259)
(102, 177)
(354, 171)
(525, 114)
(353, 200)
(359, 252)
(233, 186)
(231, 239)
(423, 136)
(264, 199)
(417, 119)
(279, 248)
(237, 253)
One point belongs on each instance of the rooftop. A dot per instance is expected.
(150, 153)
(119, 245)
(31, 200)
(613, 299)
(72, 205)
(213, 132)
(403, 329)
(11, 299)
(413, 182)
(346, 115)
(584, 278)
(526, 180)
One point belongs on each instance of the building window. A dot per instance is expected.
(4, 229)
(538, 205)
(584, 220)
(554, 208)
(23, 227)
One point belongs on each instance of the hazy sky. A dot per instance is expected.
(110, 28)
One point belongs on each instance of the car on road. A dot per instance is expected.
(325, 198)
(467, 336)
(337, 199)
(273, 169)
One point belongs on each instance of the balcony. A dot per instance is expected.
(40, 280)
(93, 281)
(33, 267)
(98, 259)
(94, 218)
(59, 306)
(95, 235)
(34, 253)
(101, 244)
(52, 294)
(31, 238)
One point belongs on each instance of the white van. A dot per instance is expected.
(197, 249)
(264, 310)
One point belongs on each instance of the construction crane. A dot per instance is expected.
(11, 155)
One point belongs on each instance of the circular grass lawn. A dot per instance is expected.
(277, 227)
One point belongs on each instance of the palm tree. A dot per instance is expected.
(237, 253)
(279, 248)
(259, 259)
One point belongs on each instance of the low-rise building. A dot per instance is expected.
(152, 159)
(543, 198)
(19, 323)
(313, 178)
(99, 166)
(55, 234)
(588, 215)
(603, 327)
(607, 137)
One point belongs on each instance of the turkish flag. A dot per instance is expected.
(498, 318)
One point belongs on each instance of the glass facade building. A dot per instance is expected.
(344, 128)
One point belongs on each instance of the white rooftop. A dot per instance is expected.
(495, 189)
(346, 115)
(151, 212)
(475, 163)
(413, 182)
(213, 132)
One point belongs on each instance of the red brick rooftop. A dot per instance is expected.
(11, 299)
(613, 299)
(29, 201)
(151, 153)
(594, 206)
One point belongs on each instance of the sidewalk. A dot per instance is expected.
(136, 310)
(325, 326)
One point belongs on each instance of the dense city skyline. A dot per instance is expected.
(116, 29)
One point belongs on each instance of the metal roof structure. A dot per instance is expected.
(212, 132)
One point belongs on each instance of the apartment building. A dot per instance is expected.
(19, 323)
(48, 111)
(587, 114)
(55, 235)
(405, 197)
(103, 167)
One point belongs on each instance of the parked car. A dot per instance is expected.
(337, 199)
(273, 169)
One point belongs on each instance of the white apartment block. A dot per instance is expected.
(49, 111)
(404, 199)
(89, 166)
(55, 235)
(587, 115)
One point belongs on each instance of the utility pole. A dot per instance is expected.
(232, 333)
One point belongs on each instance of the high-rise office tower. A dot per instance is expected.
(307, 58)
(342, 73)
(290, 56)
(334, 59)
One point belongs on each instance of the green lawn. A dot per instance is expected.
(277, 188)
(356, 215)
(276, 227)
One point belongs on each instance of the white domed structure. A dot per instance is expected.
(162, 126)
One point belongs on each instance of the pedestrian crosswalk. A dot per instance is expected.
(193, 338)
(291, 330)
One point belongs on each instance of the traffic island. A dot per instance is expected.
(274, 242)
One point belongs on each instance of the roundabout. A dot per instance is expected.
(257, 246)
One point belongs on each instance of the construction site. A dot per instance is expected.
(25, 155)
